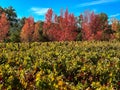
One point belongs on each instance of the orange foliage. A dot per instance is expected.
(114, 24)
(27, 30)
(36, 34)
(4, 27)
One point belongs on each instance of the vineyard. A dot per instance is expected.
(88, 65)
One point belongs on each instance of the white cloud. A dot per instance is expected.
(115, 15)
(39, 11)
(95, 3)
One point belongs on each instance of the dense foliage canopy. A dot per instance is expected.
(66, 27)
(60, 66)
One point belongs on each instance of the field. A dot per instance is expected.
(60, 66)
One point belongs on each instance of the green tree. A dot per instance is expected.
(14, 34)
(11, 15)
(79, 27)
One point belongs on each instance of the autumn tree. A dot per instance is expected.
(93, 25)
(27, 30)
(86, 26)
(4, 27)
(115, 25)
(36, 34)
(48, 22)
(60, 28)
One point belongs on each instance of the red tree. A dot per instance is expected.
(4, 27)
(86, 28)
(92, 26)
(27, 30)
(48, 20)
(62, 28)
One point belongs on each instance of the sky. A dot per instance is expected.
(38, 8)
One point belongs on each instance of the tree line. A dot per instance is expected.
(65, 27)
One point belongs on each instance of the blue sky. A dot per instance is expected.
(38, 8)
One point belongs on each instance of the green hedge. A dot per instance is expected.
(60, 66)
